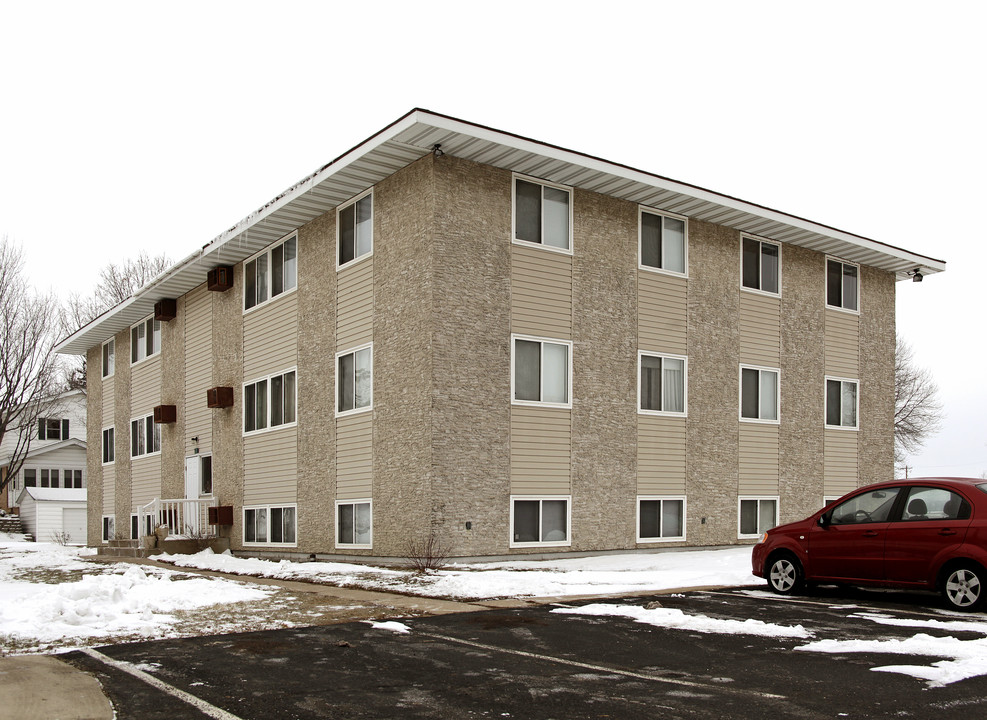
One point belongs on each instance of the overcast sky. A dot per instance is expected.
(132, 126)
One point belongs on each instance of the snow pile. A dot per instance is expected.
(391, 625)
(678, 620)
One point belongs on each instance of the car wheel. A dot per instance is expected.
(963, 587)
(785, 575)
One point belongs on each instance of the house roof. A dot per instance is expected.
(416, 134)
(53, 494)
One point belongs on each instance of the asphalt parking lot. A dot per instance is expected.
(533, 663)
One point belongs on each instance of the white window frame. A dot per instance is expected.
(112, 446)
(641, 210)
(762, 241)
(269, 252)
(108, 358)
(541, 370)
(740, 395)
(856, 397)
(335, 399)
(108, 530)
(267, 399)
(268, 508)
(830, 499)
(353, 201)
(53, 436)
(155, 428)
(541, 498)
(68, 474)
(758, 498)
(202, 492)
(662, 499)
(685, 384)
(840, 308)
(335, 524)
(543, 183)
(149, 324)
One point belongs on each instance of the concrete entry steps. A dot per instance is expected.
(12, 525)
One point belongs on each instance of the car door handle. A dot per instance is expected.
(871, 533)
(947, 531)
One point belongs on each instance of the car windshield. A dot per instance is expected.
(869, 507)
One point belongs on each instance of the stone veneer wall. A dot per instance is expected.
(123, 488)
(875, 455)
(173, 393)
(94, 439)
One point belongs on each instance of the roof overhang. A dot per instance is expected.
(416, 134)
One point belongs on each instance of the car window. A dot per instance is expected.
(928, 503)
(870, 507)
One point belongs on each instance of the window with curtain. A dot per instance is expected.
(145, 340)
(760, 265)
(842, 287)
(354, 523)
(270, 274)
(269, 402)
(759, 394)
(542, 521)
(841, 403)
(356, 229)
(757, 516)
(354, 380)
(662, 384)
(662, 242)
(109, 356)
(109, 453)
(541, 371)
(661, 519)
(541, 214)
(145, 436)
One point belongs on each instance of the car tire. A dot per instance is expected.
(963, 586)
(785, 574)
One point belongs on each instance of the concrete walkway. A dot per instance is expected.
(42, 687)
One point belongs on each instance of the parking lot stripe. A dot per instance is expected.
(199, 704)
(605, 669)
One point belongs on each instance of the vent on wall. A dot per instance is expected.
(165, 310)
(164, 414)
(219, 397)
(220, 278)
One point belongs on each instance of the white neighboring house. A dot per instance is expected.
(57, 458)
(54, 514)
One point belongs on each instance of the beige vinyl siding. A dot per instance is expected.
(541, 293)
(270, 461)
(841, 462)
(758, 470)
(145, 386)
(660, 455)
(109, 489)
(270, 337)
(145, 480)
(355, 305)
(354, 456)
(760, 330)
(541, 447)
(198, 369)
(662, 319)
(842, 343)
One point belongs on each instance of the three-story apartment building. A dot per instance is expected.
(519, 348)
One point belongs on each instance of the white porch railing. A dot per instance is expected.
(184, 517)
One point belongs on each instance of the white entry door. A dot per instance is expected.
(192, 480)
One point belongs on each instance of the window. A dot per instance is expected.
(761, 265)
(841, 403)
(271, 273)
(274, 525)
(930, 503)
(539, 521)
(663, 384)
(145, 340)
(869, 507)
(73, 479)
(759, 397)
(49, 478)
(269, 402)
(757, 515)
(662, 241)
(354, 380)
(660, 518)
(145, 437)
(542, 214)
(205, 475)
(356, 229)
(53, 429)
(354, 524)
(30, 478)
(109, 352)
(842, 285)
(542, 371)
(108, 532)
(109, 452)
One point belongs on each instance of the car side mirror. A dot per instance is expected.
(823, 520)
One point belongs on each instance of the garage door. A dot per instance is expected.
(74, 525)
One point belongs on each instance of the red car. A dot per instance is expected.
(926, 533)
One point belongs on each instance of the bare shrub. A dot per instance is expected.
(59, 537)
(427, 553)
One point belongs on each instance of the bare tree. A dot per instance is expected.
(28, 377)
(918, 412)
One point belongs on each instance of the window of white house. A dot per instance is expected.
(72, 479)
(108, 531)
(542, 214)
(109, 452)
(30, 477)
(841, 403)
(145, 339)
(663, 243)
(356, 229)
(759, 396)
(757, 515)
(355, 380)
(269, 402)
(542, 371)
(270, 274)
(663, 384)
(49, 477)
(539, 521)
(660, 518)
(53, 429)
(761, 265)
(842, 285)
(109, 353)
(354, 524)
(145, 437)
(271, 525)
